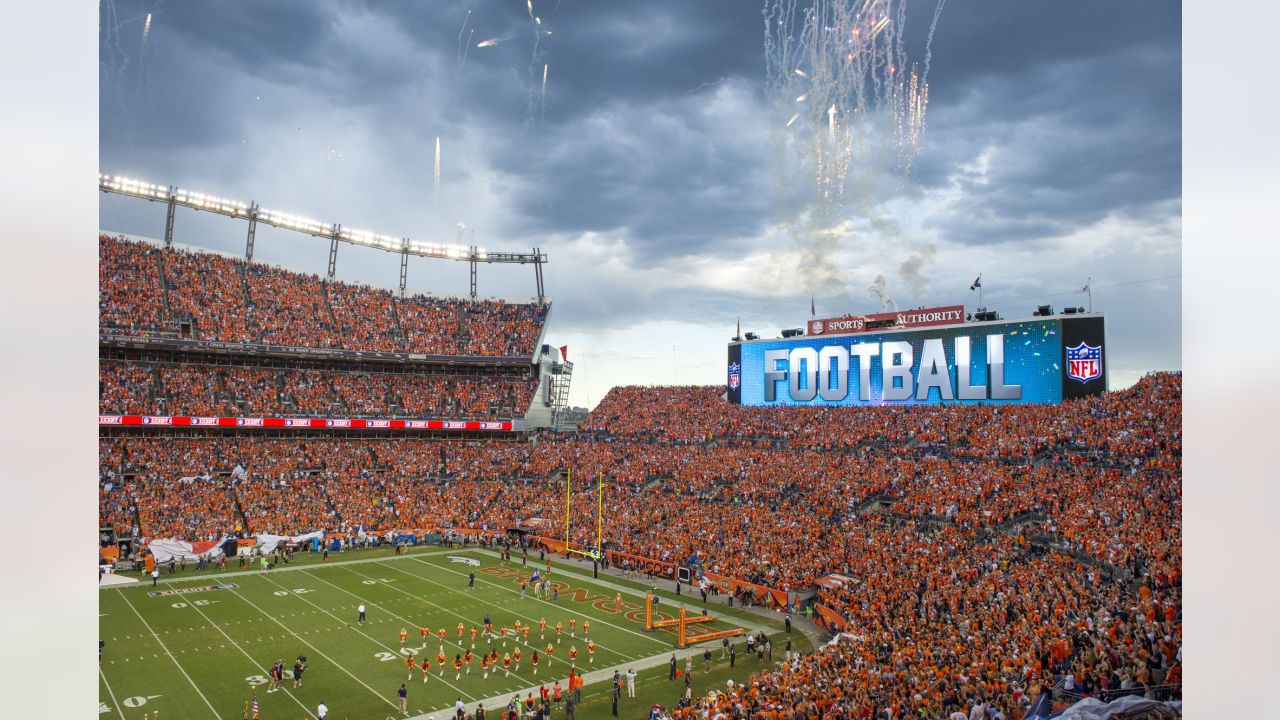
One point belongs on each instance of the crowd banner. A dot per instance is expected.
(727, 583)
(830, 617)
(267, 543)
(166, 550)
(558, 546)
(656, 567)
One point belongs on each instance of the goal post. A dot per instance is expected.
(596, 553)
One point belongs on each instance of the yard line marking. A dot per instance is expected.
(110, 692)
(371, 639)
(530, 596)
(215, 626)
(166, 652)
(313, 647)
(514, 640)
(376, 642)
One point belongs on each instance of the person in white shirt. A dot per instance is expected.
(361, 610)
(957, 715)
(321, 711)
(631, 683)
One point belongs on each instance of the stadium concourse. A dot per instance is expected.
(960, 556)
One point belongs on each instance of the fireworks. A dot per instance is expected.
(487, 43)
(848, 112)
(845, 62)
(146, 30)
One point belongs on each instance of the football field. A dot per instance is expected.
(201, 645)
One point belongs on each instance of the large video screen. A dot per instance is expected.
(1004, 362)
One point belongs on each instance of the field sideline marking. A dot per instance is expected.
(513, 590)
(453, 591)
(370, 638)
(110, 692)
(213, 577)
(313, 647)
(166, 652)
(210, 621)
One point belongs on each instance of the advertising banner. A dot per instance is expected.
(950, 315)
(659, 568)
(301, 423)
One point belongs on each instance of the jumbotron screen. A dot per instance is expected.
(1030, 361)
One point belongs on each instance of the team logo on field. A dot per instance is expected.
(464, 560)
(189, 590)
(1084, 362)
(735, 376)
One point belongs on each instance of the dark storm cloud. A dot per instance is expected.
(1045, 119)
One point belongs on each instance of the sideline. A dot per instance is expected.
(212, 577)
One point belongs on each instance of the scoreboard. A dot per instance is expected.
(1036, 360)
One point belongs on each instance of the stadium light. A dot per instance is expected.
(201, 201)
(294, 222)
(130, 186)
(333, 232)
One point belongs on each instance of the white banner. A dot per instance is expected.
(267, 543)
(173, 549)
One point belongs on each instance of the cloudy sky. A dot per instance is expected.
(655, 171)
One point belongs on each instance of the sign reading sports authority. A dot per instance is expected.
(949, 315)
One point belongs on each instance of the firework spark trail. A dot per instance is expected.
(461, 31)
(146, 30)
(488, 43)
(437, 173)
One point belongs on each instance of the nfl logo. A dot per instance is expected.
(1084, 362)
(735, 376)
(815, 327)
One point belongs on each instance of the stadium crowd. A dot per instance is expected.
(147, 290)
(964, 575)
(166, 389)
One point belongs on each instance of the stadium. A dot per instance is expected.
(276, 458)
(326, 496)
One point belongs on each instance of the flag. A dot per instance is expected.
(813, 312)
(977, 283)
(564, 352)
(1083, 290)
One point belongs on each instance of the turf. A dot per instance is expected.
(197, 654)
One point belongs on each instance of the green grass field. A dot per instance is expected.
(196, 650)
